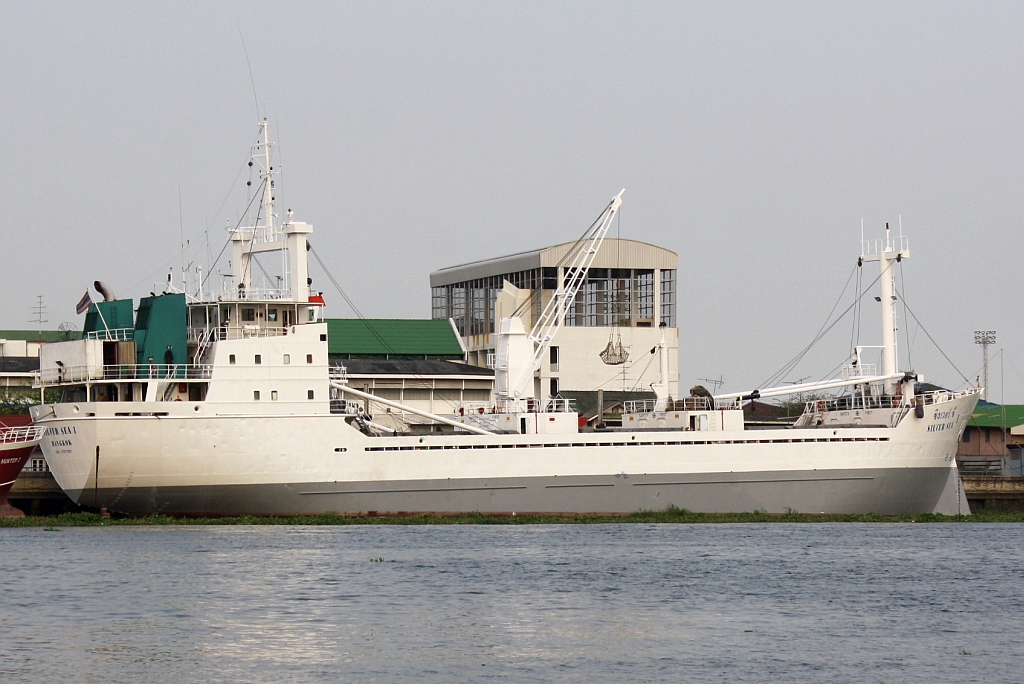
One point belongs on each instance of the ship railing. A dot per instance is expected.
(683, 404)
(112, 335)
(557, 405)
(492, 361)
(344, 406)
(15, 435)
(861, 370)
(898, 243)
(690, 404)
(143, 371)
(234, 332)
(887, 401)
(339, 373)
(254, 294)
(638, 406)
(854, 403)
(942, 396)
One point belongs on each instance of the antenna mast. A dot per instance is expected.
(40, 310)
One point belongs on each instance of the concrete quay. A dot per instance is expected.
(37, 493)
(990, 493)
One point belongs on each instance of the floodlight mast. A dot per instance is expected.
(551, 319)
(984, 338)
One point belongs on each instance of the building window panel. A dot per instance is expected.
(439, 306)
(644, 294)
(458, 304)
(668, 297)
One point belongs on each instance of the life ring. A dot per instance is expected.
(480, 410)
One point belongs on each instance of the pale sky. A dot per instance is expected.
(752, 139)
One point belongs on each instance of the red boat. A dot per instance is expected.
(17, 442)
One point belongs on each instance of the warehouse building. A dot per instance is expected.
(629, 295)
(419, 363)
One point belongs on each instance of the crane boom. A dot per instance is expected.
(576, 274)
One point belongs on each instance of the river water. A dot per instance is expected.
(629, 602)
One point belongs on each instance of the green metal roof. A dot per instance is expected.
(995, 415)
(396, 338)
(35, 335)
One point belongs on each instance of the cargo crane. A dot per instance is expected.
(519, 355)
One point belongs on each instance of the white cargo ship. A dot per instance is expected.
(226, 403)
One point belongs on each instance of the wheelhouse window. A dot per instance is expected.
(272, 315)
(248, 314)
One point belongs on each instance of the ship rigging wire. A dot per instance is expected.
(822, 331)
(925, 331)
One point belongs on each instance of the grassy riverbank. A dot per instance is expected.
(671, 515)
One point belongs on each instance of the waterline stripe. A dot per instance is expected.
(406, 491)
(796, 479)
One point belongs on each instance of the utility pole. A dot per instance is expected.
(984, 338)
(40, 311)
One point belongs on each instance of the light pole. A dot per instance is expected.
(984, 338)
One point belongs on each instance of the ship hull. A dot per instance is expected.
(883, 491)
(13, 456)
(189, 460)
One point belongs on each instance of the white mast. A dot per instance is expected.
(267, 236)
(886, 253)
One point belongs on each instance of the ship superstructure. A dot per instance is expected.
(221, 401)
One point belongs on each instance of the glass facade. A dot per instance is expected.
(668, 297)
(610, 296)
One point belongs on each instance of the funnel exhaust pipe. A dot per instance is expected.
(108, 294)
